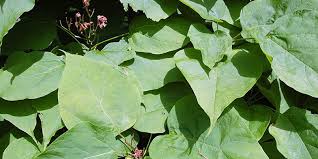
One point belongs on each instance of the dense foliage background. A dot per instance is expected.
(159, 79)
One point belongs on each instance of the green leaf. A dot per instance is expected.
(154, 72)
(224, 83)
(113, 53)
(296, 133)
(154, 9)
(102, 94)
(158, 104)
(208, 9)
(49, 115)
(22, 148)
(30, 75)
(235, 135)
(158, 38)
(7, 138)
(21, 114)
(85, 141)
(212, 46)
(37, 35)
(10, 11)
(284, 31)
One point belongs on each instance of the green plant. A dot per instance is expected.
(159, 79)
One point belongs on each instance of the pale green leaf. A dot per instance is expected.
(296, 133)
(224, 83)
(113, 53)
(10, 11)
(154, 9)
(22, 148)
(212, 46)
(158, 104)
(102, 94)
(85, 141)
(235, 135)
(30, 75)
(208, 9)
(158, 38)
(154, 72)
(285, 32)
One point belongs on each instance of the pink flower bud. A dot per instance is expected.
(78, 15)
(101, 21)
(86, 3)
(137, 153)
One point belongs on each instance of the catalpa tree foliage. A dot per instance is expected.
(159, 79)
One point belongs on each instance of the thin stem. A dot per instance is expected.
(130, 147)
(148, 144)
(68, 32)
(107, 40)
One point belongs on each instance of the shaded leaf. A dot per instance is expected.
(158, 104)
(10, 11)
(235, 135)
(223, 84)
(296, 133)
(212, 46)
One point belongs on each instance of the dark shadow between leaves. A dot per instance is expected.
(192, 120)
(247, 64)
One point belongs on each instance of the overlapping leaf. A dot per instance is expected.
(153, 72)
(284, 31)
(99, 93)
(113, 53)
(235, 135)
(219, 87)
(154, 9)
(158, 104)
(158, 38)
(30, 75)
(10, 12)
(296, 133)
(213, 47)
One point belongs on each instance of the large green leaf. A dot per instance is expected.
(296, 134)
(113, 53)
(8, 136)
(208, 9)
(158, 38)
(10, 11)
(284, 31)
(154, 72)
(30, 75)
(154, 9)
(235, 135)
(224, 83)
(48, 111)
(212, 46)
(85, 141)
(158, 104)
(21, 114)
(37, 35)
(102, 94)
(22, 148)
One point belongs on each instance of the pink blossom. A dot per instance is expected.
(86, 3)
(101, 21)
(78, 15)
(84, 26)
(138, 153)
